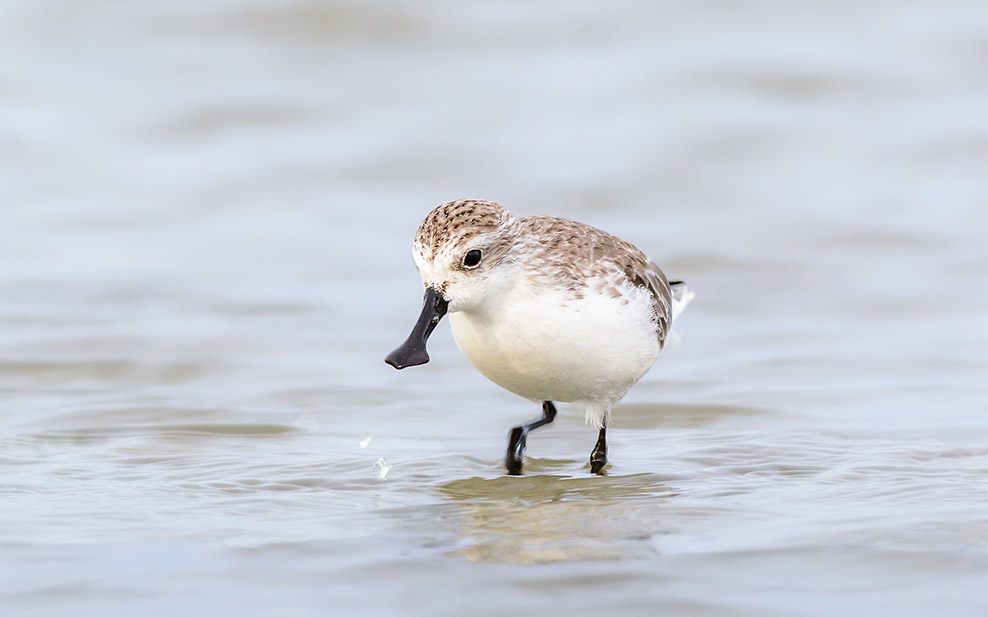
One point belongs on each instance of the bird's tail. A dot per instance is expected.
(681, 297)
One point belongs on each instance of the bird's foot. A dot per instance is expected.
(598, 460)
(516, 450)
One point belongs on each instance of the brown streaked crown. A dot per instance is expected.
(459, 221)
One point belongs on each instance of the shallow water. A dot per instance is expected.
(205, 223)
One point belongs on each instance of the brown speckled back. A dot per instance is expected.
(585, 259)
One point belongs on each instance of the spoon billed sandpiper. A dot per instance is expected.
(550, 309)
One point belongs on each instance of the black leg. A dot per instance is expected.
(598, 458)
(518, 435)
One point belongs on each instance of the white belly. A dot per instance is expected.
(543, 345)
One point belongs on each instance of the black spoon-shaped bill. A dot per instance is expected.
(413, 352)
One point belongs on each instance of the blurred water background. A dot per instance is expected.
(206, 212)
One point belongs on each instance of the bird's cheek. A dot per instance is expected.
(455, 303)
(460, 298)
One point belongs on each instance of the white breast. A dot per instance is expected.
(543, 344)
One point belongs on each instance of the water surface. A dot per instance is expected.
(205, 222)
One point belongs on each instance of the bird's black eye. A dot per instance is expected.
(472, 258)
